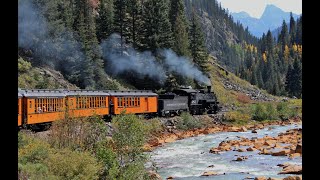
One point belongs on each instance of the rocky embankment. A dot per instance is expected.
(171, 134)
(285, 144)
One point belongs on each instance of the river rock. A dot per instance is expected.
(298, 148)
(243, 129)
(258, 145)
(270, 142)
(242, 150)
(286, 164)
(254, 131)
(168, 140)
(154, 175)
(265, 151)
(235, 129)
(170, 177)
(251, 149)
(209, 173)
(147, 148)
(211, 166)
(292, 169)
(277, 145)
(293, 178)
(214, 151)
(249, 177)
(281, 152)
(241, 158)
(271, 178)
(260, 178)
(294, 155)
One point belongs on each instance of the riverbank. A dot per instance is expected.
(171, 135)
(190, 158)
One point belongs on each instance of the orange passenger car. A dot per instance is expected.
(82, 103)
(133, 102)
(20, 92)
(42, 106)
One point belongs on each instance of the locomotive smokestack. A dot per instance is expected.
(209, 89)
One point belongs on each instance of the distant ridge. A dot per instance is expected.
(271, 19)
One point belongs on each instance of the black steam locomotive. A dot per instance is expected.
(186, 99)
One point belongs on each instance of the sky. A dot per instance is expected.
(256, 7)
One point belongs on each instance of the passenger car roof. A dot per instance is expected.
(131, 93)
(43, 93)
(85, 93)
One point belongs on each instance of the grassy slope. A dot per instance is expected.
(30, 77)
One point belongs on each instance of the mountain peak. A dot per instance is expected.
(241, 14)
(271, 10)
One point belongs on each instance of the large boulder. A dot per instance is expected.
(281, 152)
(293, 178)
(292, 169)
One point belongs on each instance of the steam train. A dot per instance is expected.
(39, 107)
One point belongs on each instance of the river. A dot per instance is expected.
(189, 158)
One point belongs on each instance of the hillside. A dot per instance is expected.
(30, 77)
(162, 48)
(221, 32)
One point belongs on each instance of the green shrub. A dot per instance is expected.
(77, 133)
(129, 137)
(188, 122)
(33, 151)
(34, 171)
(283, 110)
(153, 126)
(23, 66)
(259, 112)
(133, 171)
(67, 164)
(237, 117)
(108, 158)
(271, 112)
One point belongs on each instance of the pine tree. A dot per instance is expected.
(104, 19)
(254, 79)
(283, 36)
(197, 44)
(120, 9)
(297, 78)
(181, 39)
(299, 31)
(292, 30)
(92, 70)
(289, 80)
(269, 43)
(134, 23)
(157, 25)
(179, 27)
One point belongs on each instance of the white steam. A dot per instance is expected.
(126, 58)
(183, 66)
